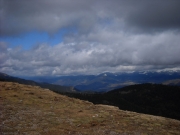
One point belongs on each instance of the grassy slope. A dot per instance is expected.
(32, 110)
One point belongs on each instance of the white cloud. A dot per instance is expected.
(126, 53)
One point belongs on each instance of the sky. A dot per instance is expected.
(72, 37)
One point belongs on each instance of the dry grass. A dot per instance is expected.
(34, 111)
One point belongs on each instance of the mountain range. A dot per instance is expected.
(108, 81)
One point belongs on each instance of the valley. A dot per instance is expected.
(147, 98)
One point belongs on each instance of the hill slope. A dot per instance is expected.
(31, 110)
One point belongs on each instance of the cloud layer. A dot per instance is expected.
(110, 36)
(20, 16)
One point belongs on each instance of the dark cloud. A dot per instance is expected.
(23, 15)
(20, 16)
(156, 15)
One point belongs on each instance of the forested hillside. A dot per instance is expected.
(153, 99)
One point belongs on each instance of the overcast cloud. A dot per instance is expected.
(114, 36)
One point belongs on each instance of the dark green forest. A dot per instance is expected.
(155, 99)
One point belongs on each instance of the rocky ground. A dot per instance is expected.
(32, 110)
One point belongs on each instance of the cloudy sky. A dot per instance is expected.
(64, 37)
